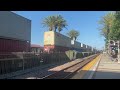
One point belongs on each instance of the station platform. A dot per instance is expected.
(104, 68)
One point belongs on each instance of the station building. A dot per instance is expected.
(15, 32)
(36, 48)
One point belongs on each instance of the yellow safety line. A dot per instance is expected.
(88, 66)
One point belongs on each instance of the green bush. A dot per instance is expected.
(79, 55)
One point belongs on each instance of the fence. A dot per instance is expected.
(20, 61)
(12, 62)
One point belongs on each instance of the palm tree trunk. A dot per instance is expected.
(55, 28)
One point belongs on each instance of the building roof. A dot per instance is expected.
(35, 45)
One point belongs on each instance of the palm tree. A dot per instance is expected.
(73, 34)
(49, 22)
(61, 23)
(54, 23)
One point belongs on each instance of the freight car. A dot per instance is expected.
(57, 42)
(15, 32)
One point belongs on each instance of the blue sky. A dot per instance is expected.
(86, 22)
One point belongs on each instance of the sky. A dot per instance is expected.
(86, 22)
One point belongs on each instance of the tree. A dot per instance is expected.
(115, 31)
(106, 22)
(73, 34)
(49, 22)
(61, 23)
(55, 23)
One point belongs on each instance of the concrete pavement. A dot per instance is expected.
(107, 69)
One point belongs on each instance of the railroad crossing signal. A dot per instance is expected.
(111, 42)
(115, 45)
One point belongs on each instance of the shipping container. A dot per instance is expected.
(15, 32)
(14, 26)
(9, 45)
(57, 41)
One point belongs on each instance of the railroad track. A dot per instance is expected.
(64, 73)
(69, 71)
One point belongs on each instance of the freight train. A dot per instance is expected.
(54, 41)
(15, 32)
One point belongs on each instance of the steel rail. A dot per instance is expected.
(85, 61)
